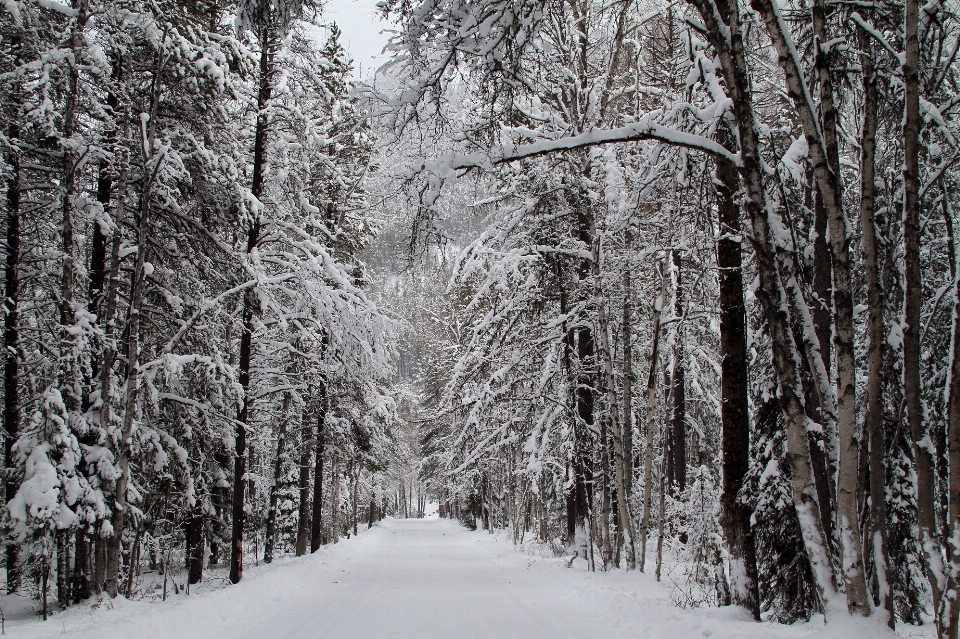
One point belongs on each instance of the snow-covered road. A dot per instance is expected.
(425, 579)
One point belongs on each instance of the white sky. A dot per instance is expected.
(361, 28)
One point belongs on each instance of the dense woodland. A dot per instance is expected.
(663, 286)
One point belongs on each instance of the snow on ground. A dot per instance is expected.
(422, 579)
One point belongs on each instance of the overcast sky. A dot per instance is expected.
(361, 28)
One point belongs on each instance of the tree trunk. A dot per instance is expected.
(873, 418)
(585, 421)
(99, 562)
(847, 505)
(195, 546)
(335, 498)
(131, 382)
(80, 588)
(913, 302)
(68, 367)
(826, 171)
(628, 377)
(63, 568)
(651, 417)
(356, 481)
(108, 550)
(249, 302)
(316, 535)
(734, 404)
(770, 292)
(949, 619)
(678, 430)
(11, 343)
(622, 455)
(303, 514)
(269, 541)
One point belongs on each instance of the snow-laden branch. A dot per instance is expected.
(643, 130)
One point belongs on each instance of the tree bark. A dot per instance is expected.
(628, 377)
(617, 431)
(913, 302)
(270, 535)
(734, 406)
(876, 543)
(335, 498)
(826, 171)
(131, 382)
(240, 440)
(196, 545)
(678, 430)
(249, 302)
(651, 417)
(356, 482)
(80, 589)
(316, 536)
(727, 40)
(11, 343)
(303, 514)
(67, 375)
(949, 621)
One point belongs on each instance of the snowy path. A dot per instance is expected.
(421, 579)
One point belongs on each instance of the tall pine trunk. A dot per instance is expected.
(196, 546)
(316, 529)
(303, 483)
(678, 430)
(734, 404)
(249, 303)
(11, 343)
(152, 163)
(271, 533)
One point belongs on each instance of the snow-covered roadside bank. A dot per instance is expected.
(428, 578)
(207, 612)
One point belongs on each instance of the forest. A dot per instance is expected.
(661, 287)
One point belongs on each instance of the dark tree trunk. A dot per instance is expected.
(734, 407)
(195, 545)
(821, 313)
(316, 529)
(271, 533)
(372, 513)
(913, 302)
(81, 589)
(249, 302)
(99, 563)
(583, 473)
(240, 442)
(303, 482)
(875, 542)
(11, 343)
(63, 568)
(678, 447)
